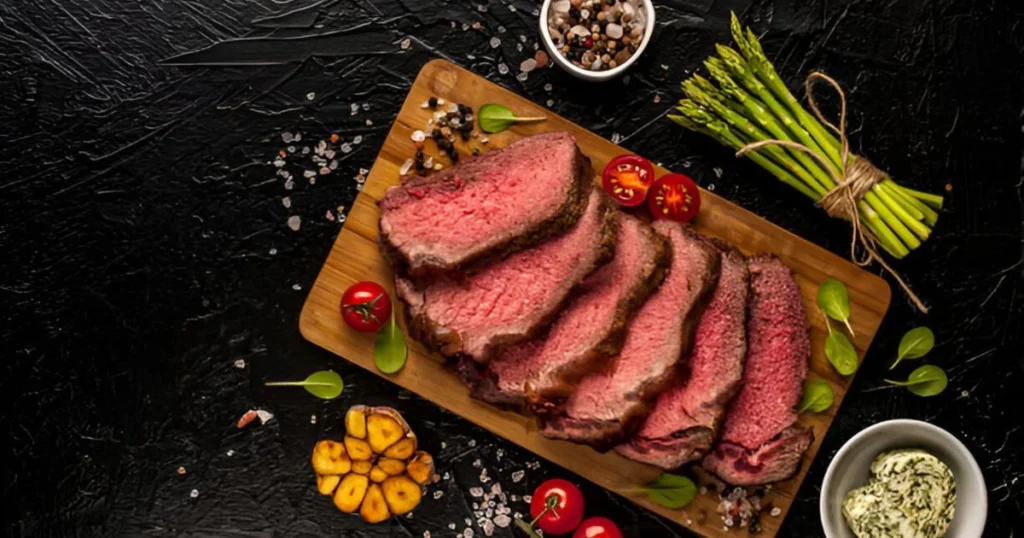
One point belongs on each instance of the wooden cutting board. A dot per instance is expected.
(355, 257)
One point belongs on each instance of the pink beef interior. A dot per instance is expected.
(654, 340)
(778, 351)
(587, 320)
(477, 205)
(509, 296)
(716, 364)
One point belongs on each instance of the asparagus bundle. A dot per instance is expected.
(750, 104)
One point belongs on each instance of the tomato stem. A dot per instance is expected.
(366, 309)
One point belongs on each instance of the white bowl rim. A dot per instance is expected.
(853, 441)
(586, 73)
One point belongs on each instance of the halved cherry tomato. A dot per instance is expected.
(557, 506)
(627, 178)
(597, 527)
(674, 196)
(366, 306)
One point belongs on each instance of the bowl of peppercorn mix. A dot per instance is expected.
(596, 39)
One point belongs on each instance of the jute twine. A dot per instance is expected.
(856, 178)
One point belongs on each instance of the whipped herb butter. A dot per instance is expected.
(911, 494)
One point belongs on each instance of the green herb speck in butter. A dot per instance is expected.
(911, 494)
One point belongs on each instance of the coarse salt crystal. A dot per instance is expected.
(278, 163)
(438, 494)
(551, 103)
(528, 65)
(495, 42)
(240, 363)
(527, 498)
(289, 184)
(451, 526)
(418, 136)
(521, 77)
(329, 215)
(468, 533)
(501, 30)
(426, 534)
(406, 43)
(468, 521)
(476, 492)
(369, 123)
(194, 494)
(346, 148)
(488, 527)
(776, 511)
(477, 463)
(324, 171)
(295, 222)
(502, 520)
(517, 476)
(548, 87)
(265, 416)
(503, 69)
(286, 201)
(308, 173)
(310, 96)
(406, 166)
(230, 453)
(358, 139)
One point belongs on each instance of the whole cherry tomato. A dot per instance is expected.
(557, 506)
(597, 527)
(366, 306)
(627, 178)
(675, 197)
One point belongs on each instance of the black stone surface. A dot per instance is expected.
(145, 248)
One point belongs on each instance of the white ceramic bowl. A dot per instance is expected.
(852, 466)
(586, 74)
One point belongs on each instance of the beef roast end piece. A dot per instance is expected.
(685, 420)
(504, 201)
(587, 333)
(607, 406)
(760, 443)
(511, 299)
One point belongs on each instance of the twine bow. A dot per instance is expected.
(856, 178)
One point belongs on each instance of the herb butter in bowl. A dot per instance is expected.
(906, 479)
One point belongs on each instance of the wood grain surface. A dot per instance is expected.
(355, 257)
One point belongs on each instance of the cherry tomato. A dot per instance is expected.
(674, 196)
(366, 306)
(559, 506)
(627, 178)
(597, 527)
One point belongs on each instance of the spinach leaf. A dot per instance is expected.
(834, 300)
(915, 344)
(496, 118)
(925, 381)
(841, 353)
(817, 397)
(390, 350)
(671, 491)
(325, 384)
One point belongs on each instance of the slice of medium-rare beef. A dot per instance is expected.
(684, 422)
(588, 332)
(504, 201)
(512, 298)
(759, 442)
(607, 406)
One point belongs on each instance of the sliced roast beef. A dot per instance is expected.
(607, 406)
(587, 333)
(759, 442)
(504, 201)
(682, 426)
(510, 299)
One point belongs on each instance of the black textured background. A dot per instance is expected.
(144, 243)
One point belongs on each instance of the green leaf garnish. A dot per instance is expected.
(390, 350)
(915, 344)
(841, 353)
(817, 396)
(834, 300)
(671, 491)
(496, 118)
(325, 384)
(925, 381)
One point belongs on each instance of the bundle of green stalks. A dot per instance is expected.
(750, 104)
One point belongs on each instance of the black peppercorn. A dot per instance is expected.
(432, 102)
(465, 109)
(610, 2)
